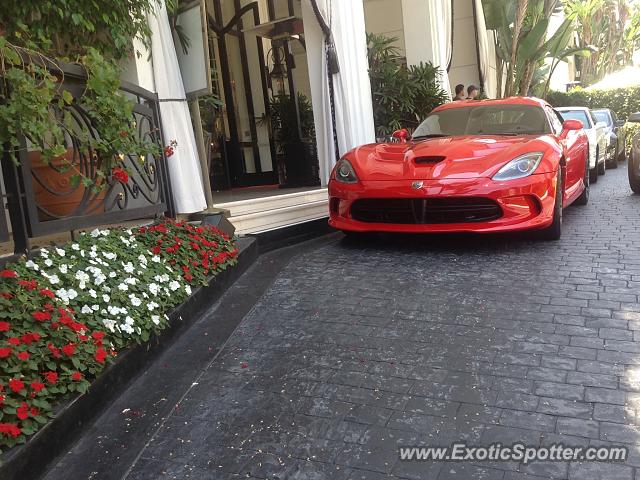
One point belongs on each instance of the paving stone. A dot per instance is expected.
(604, 395)
(608, 471)
(559, 390)
(564, 408)
(578, 427)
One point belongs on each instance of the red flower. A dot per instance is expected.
(22, 411)
(28, 284)
(16, 385)
(6, 295)
(156, 250)
(10, 430)
(37, 386)
(100, 355)
(168, 151)
(120, 174)
(52, 377)
(23, 355)
(55, 351)
(77, 376)
(188, 277)
(69, 349)
(1, 400)
(45, 292)
(8, 274)
(41, 316)
(29, 338)
(13, 341)
(5, 326)
(5, 352)
(34, 411)
(97, 335)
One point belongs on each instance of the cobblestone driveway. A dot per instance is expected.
(356, 349)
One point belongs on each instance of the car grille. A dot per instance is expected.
(425, 210)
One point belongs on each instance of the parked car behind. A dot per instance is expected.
(634, 159)
(615, 135)
(597, 138)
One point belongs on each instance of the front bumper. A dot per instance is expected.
(526, 203)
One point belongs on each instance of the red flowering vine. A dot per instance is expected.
(120, 174)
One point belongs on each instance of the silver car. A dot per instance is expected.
(615, 136)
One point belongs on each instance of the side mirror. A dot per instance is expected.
(620, 123)
(634, 117)
(401, 135)
(570, 125)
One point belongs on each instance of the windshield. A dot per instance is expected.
(485, 120)
(579, 115)
(602, 116)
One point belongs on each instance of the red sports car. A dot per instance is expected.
(474, 166)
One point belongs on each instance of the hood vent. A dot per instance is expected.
(430, 160)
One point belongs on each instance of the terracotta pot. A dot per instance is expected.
(66, 198)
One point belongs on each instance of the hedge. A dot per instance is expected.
(623, 101)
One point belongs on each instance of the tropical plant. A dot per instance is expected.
(523, 43)
(402, 96)
(284, 115)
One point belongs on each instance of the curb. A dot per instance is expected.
(30, 460)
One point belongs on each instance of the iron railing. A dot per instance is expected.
(41, 197)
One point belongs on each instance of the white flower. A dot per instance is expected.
(93, 293)
(151, 306)
(112, 274)
(174, 286)
(131, 280)
(128, 320)
(187, 288)
(82, 253)
(155, 259)
(63, 295)
(86, 309)
(105, 298)
(72, 293)
(53, 279)
(109, 255)
(135, 301)
(83, 278)
(125, 327)
(123, 287)
(100, 279)
(154, 288)
(128, 267)
(32, 265)
(64, 268)
(142, 259)
(95, 233)
(105, 233)
(75, 246)
(95, 308)
(109, 324)
(155, 319)
(48, 262)
(60, 252)
(44, 253)
(93, 254)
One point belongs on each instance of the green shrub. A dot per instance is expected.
(623, 101)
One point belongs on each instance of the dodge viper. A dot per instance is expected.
(471, 166)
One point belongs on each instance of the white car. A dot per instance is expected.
(597, 134)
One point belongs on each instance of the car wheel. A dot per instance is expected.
(593, 175)
(634, 173)
(583, 199)
(602, 167)
(554, 231)
(613, 161)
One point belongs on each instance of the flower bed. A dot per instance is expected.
(67, 312)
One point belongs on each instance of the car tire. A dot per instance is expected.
(554, 231)
(583, 199)
(601, 167)
(634, 173)
(593, 175)
(613, 161)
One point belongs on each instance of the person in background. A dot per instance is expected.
(459, 92)
(472, 92)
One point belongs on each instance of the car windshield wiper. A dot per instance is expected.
(431, 135)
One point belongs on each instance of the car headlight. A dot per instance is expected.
(345, 172)
(520, 167)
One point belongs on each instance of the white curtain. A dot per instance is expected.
(184, 167)
(486, 53)
(352, 89)
(440, 31)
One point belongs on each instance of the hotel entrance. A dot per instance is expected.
(260, 131)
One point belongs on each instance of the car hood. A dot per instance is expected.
(443, 158)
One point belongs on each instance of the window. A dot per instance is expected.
(485, 120)
(580, 115)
